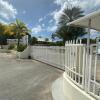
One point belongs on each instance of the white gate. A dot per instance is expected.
(83, 67)
(53, 55)
(75, 54)
(94, 71)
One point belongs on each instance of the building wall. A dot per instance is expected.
(25, 54)
(24, 40)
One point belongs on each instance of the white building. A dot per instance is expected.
(43, 39)
(24, 40)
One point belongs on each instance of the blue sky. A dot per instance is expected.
(41, 15)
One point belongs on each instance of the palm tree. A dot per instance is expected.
(20, 29)
(70, 14)
(53, 37)
(65, 32)
(46, 39)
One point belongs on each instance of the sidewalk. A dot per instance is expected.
(57, 89)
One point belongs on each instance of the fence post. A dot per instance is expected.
(90, 63)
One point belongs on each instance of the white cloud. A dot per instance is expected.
(37, 29)
(40, 19)
(90, 6)
(57, 13)
(60, 2)
(93, 31)
(87, 5)
(52, 28)
(2, 21)
(84, 4)
(43, 25)
(51, 21)
(43, 18)
(7, 10)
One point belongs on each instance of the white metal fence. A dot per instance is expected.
(82, 66)
(75, 55)
(94, 72)
(52, 55)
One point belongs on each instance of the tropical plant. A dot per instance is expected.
(70, 14)
(46, 39)
(8, 31)
(2, 28)
(21, 48)
(11, 47)
(20, 29)
(53, 37)
(2, 36)
(69, 32)
(33, 40)
(39, 36)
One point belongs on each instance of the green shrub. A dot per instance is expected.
(21, 48)
(58, 43)
(33, 41)
(11, 47)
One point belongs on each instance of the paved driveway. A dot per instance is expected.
(25, 79)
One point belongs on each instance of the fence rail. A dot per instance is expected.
(52, 55)
(83, 67)
(75, 55)
(94, 72)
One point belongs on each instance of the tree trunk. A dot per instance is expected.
(18, 43)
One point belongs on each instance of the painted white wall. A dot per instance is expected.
(24, 54)
(73, 92)
(70, 90)
(25, 40)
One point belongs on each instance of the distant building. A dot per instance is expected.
(12, 41)
(43, 39)
(24, 40)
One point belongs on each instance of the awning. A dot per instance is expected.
(84, 21)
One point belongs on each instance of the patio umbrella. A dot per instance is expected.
(90, 21)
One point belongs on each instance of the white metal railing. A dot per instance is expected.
(83, 67)
(75, 55)
(52, 55)
(94, 72)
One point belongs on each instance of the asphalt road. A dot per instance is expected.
(25, 79)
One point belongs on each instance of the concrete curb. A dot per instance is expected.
(57, 89)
